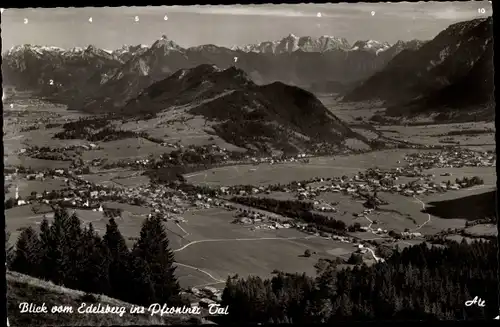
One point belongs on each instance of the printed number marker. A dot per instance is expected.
(318, 15)
(136, 18)
(11, 106)
(235, 59)
(481, 10)
(90, 19)
(51, 82)
(165, 18)
(26, 20)
(373, 13)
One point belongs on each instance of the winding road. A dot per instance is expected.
(202, 271)
(180, 227)
(428, 215)
(374, 255)
(220, 281)
(370, 221)
(244, 239)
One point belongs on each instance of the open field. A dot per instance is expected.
(483, 230)
(132, 181)
(334, 166)
(425, 224)
(220, 248)
(488, 174)
(28, 186)
(129, 148)
(213, 247)
(117, 177)
(260, 257)
(177, 126)
(480, 136)
(37, 164)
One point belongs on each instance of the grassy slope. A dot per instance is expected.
(23, 288)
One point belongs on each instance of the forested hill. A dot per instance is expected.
(420, 283)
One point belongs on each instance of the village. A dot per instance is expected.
(172, 203)
(84, 194)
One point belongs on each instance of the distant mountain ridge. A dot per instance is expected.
(451, 72)
(51, 70)
(125, 71)
(293, 43)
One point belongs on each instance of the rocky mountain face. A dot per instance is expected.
(261, 118)
(49, 70)
(122, 73)
(452, 71)
(127, 52)
(292, 43)
(294, 66)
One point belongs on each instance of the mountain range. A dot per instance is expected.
(254, 97)
(122, 73)
(453, 73)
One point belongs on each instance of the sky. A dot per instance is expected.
(232, 25)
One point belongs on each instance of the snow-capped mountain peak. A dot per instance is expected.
(371, 46)
(165, 44)
(292, 43)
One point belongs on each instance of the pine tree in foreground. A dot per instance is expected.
(141, 289)
(94, 268)
(9, 250)
(55, 246)
(47, 266)
(71, 248)
(119, 256)
(26, 258)
(153, 247)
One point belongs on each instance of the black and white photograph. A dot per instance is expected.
(230, 164)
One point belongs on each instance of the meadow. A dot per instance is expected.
(263, 174)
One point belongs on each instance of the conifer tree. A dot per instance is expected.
(46, 265)
(26, 259)
(119, 271)
(94, 272)
(141, 289)
(56, 246)
(9, 250)
(153, 247)
(72, 258)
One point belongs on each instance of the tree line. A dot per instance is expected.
(420, 282)
(75, 256)
(295, 209)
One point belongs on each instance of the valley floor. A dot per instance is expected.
(208, 241)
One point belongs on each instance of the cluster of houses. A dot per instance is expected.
(34, 150)
(172, 203)
(263, 223)
(410, 235)
(455, 158)
(386, 180)
(301, 157)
